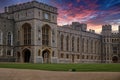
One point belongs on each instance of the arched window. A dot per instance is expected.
(72, 43)
(46, 35)
(78, 44)
(9, 38)
(67, 43)
(62, 38)
(27, 34)
(1, 37)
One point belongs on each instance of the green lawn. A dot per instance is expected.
(65, 67)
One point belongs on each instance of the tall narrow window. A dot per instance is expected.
(1, 52)
(62, 55)
(83, 45)
(39, 52)
(62, 38)
(9, 38)
(46, 35)
(26, 14)
(67, 43)
(67, 56)
(78, 44)
(8, 53)
(18, 34)
(27, 34)
(39, 13)
(91, 46)
(87, 44)
(53, 54)
(1, 37)
(72, 43)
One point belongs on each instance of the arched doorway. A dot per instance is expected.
(115, 59)
(46, 56)
(26, 55)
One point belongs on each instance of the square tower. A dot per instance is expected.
(35, 31)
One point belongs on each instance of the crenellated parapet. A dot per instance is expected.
(79, 26)
(28, 5)
(106, 30)
(106, 27)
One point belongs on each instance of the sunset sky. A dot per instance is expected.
(93, 12)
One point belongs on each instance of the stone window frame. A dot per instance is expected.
(78, 44)
(73, 43)
(62, 55)
(78, 56)
(67, 56)
(67, 43)
(62, 41)
(53, 54)
(46, 34)
(27, 33)
(1, 52)
(9, 38)
(39, 52)
(8, 53)
(1, 37)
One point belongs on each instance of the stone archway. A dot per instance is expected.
(46, 56)
(115, 59)
(26, 55)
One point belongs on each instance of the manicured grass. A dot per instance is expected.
(65, 67)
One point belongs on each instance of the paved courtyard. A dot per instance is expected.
(23, 74)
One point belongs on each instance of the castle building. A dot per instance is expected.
(29, 33)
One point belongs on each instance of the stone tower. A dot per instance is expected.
(106, 43)
(106, 30)
(35, 37)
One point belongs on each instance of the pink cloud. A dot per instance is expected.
(74, 13)
(78, 1)
(68, 13)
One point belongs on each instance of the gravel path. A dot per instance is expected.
(23, 74)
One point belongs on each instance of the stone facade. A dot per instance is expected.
(29, 33)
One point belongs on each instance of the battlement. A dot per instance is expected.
(106, 27)
(79, 26)
(90, 30)
(28, 5)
